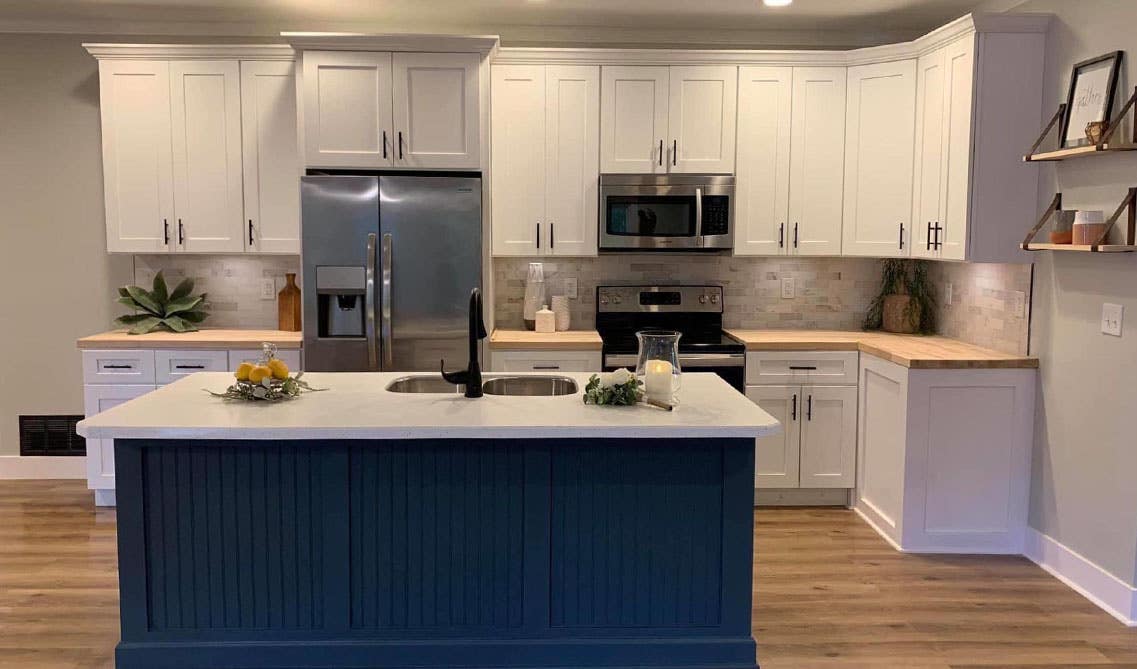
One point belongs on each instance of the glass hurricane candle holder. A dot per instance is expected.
(658, 364)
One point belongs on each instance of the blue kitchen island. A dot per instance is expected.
(363, 528)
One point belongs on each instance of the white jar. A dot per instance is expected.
(546, 320)
(561, 311)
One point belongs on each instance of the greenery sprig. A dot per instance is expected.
(618, 388)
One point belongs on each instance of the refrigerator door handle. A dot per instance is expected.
(369, 298)
(385, 301)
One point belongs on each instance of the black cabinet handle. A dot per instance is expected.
(250, 232)
(384, 145)
(781, 235)
(661, 153)
(181, 233)
(938, 229)
(795, 234)
(118, 366)
(793, 408)
(189, 366)
(674, 152)
(552, 236)
(400, 145)
(538, 234)
(809, 408)
(800, 367)
(166, 232)
(546, 366)
(928, 246)
(901, 236)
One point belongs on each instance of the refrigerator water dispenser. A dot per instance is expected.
(340, 292)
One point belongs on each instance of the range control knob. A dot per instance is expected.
(603, 299)
(617, 299)
(702, 299)
(714, 299)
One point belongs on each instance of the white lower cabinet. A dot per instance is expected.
(544, 361)
(944, 456)
(817, 448)
(100, 452)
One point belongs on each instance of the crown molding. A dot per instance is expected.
(322, 41)
(104, 51)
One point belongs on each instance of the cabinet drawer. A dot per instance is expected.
(801, 367)
(173, 365)
(546, 361)
(118, 367)
(291, 357)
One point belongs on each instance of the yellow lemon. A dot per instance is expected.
(259, 373)
(243, 370)
(279, 369)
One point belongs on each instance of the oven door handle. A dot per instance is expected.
(699, 215)
(686, 361)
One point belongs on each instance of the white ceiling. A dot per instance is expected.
(518, 21)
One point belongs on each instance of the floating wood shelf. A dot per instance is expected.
(1104, 146)
(1128, 205)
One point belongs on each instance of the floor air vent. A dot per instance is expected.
(51, 435)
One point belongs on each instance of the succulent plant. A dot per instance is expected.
(177, 311)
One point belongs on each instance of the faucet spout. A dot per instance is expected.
(472, 375)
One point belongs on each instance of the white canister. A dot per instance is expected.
(546, 320)
(561, 311)
(1089, 226)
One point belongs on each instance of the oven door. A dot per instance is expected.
(665, 213)
(731, 367)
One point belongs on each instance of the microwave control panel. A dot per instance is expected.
(716, 214)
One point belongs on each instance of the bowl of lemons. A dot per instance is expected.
(267, 379)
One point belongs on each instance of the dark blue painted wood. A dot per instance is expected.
(444, 553)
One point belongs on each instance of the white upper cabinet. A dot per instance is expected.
(633, 120)
(137, 163)
(927, 182)
(879, 147)
(205, 102)
(791, 138)
(435, 97)
(347, 109)
(655, 120)
(572, 146)
(545, 159)
(271, 157)
(816, 161)
(517, 170)
(701, 118)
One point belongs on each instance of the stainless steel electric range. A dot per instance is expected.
(695, 311)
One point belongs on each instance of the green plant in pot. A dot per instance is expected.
(162, 309)
(906, 303)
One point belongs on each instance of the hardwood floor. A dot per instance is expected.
(829, 593)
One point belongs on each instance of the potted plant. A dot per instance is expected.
(160, 308)
(906, 303)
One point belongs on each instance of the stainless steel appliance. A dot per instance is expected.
(683, 212)
(388, 264)
(695, 311)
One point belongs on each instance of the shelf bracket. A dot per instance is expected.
(1055, 207)
(1046, 131)
(1128, 204)
(1116, 123)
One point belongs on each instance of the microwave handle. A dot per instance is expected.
(699, 214)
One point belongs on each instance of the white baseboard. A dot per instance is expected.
(1111, 594)
(42, 467)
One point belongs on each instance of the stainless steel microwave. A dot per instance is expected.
(683, 212)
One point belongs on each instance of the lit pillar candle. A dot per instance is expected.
(657, 380)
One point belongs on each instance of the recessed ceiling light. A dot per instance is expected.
(776, 3)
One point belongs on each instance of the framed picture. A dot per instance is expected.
(1092, 85)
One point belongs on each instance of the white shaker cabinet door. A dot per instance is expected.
(517, 173)
(762, 187)
(205, 101)
(271, 157)
(100, 452)
(816, 161)
(829, 437)
(633, 119)
(572, 144)
(927, 182)
(879, 146)
(436, 110)
(347, 109)
(702, 111)
(137, 163)
(959, 65)
(776, 456)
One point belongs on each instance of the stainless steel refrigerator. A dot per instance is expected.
(388, 264)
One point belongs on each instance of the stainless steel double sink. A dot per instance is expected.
(519, 386)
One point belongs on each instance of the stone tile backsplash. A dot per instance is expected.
(233, 284)
(982, 309)
(830, 293)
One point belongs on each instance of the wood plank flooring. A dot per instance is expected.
(829, 593)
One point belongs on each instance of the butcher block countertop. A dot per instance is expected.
(526, 340)
(913, 351)
(208, 339)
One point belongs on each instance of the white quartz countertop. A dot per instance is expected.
(358, 406)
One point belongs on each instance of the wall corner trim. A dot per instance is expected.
(1109, 593)
(25, 467)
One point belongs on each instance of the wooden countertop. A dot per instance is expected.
(215, 339)
(526, 340)
(933, 352)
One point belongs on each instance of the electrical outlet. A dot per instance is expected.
(787, 288)
(268, 289)
(1018, 303)
(570, 288)
(947, 294)
(1111, 317)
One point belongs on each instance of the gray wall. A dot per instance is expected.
(1083, 492)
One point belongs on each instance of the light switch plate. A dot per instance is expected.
(1018, 303)
(268, 289)
(787, 288)
(1111, 317)
(947, 294)
(570, 288)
